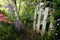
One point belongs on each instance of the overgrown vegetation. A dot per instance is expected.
(26, 17)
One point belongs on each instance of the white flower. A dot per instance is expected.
(57, 24)
(56, 34)
(58, 19)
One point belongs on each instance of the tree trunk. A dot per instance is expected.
(17, 22)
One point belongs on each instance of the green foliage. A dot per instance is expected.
(7, 32)
(26, 14)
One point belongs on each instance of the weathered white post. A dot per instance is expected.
(35, 18)
(41, 6)
(34, 22)
(44, 20)
(37, 21)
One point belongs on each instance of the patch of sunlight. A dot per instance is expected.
(2, 8)
(0, 0)
(6, 10)
(22, 3)
(22, 8)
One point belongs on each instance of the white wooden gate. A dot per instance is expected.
(40, 17)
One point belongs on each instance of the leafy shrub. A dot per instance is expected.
(6, 28)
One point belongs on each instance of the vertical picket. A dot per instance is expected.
(44, 21)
